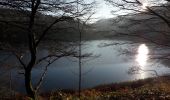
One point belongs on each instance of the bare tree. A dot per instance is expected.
(63, 10)
(147, 16)
(145, 20)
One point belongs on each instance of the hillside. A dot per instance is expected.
(144, 25)
(14, 25)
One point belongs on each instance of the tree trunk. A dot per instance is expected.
(29, 89)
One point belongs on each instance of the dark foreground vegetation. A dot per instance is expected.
(150, 89)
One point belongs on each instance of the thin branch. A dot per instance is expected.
(63, 18)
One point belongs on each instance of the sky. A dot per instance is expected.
(103, 9)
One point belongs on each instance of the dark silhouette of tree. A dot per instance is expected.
(81, 25)
(63, 10)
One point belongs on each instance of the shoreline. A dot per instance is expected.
(152, 88)
(149, 88)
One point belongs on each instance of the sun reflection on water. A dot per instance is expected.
(142, 58)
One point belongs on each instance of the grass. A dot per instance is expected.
(144, 89)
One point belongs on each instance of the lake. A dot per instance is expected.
(111, 65)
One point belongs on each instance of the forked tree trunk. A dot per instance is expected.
(28, 82)
(28, 85)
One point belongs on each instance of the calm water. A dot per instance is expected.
(110, 67)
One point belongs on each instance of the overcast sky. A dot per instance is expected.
(103, 10)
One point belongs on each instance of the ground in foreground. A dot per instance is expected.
(148, 89)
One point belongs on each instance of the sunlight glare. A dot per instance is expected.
(144, 5)
(142, 55)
